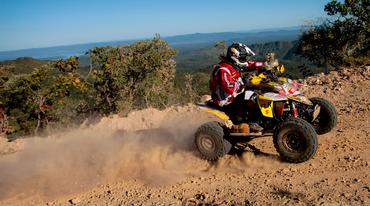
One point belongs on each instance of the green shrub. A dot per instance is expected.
(343, 38)
(134, 76)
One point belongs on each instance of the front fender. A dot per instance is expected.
(301, 99)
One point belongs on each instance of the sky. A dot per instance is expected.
(44, 23)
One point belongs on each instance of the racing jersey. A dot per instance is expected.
(226, 82)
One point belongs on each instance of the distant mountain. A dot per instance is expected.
(57, 52)
(181, 42)
(250, 37)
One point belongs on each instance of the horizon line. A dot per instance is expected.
(143, 38)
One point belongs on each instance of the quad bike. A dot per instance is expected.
(294, 138)
(284, 113)
(318, 111)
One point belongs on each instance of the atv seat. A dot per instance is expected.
(212, 105)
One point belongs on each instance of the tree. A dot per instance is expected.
(343, 38)
(221, 45)
(6, 72)
(31, 101)
(134, 76)
(69, 65)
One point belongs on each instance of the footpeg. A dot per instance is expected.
(254, 127)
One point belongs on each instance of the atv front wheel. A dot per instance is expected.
(327, 118)
(210, 141)
(295, 140)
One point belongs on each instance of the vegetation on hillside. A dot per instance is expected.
(22, 65)
(120, 79)
(343, 39)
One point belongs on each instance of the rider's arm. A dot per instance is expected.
(255, 65)
(227, 82)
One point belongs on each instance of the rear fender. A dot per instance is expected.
(217, 113)
(225, 119)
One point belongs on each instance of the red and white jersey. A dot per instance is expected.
(226, 82)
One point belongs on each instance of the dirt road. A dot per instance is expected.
(148, 158)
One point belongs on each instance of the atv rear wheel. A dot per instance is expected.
(327, 118)
(209, 139)
(295, 140)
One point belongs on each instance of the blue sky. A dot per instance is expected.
(43, 23)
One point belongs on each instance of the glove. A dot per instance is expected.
(271, 64)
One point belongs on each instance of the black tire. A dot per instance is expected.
(209, 139)
(295, 140)
(327, 118)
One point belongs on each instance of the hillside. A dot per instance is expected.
(195, 58)
(195, 52)
(205, 57)
(148, 158)
(22, 65)
(202, 59)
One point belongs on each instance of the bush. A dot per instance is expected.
(134, 76)
(33, 100)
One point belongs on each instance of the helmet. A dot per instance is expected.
(238, 53)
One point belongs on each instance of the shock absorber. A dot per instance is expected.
(294, 110)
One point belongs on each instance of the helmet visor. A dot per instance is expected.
(243, 58)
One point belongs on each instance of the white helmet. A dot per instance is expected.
(238, 54)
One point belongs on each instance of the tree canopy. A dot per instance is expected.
(341, 39)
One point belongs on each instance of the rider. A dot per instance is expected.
(227, 85)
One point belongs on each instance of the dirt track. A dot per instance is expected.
(148, 158)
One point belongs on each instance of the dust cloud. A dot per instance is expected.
(150, 146)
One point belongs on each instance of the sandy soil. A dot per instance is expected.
(148, 158)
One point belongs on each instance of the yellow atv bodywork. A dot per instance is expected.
(265, 104)
(281, 69)
(257, 79)
(225, 119)
(218, 113)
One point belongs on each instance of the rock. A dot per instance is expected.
(293, 169)
(75, 201)
(200, 196)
